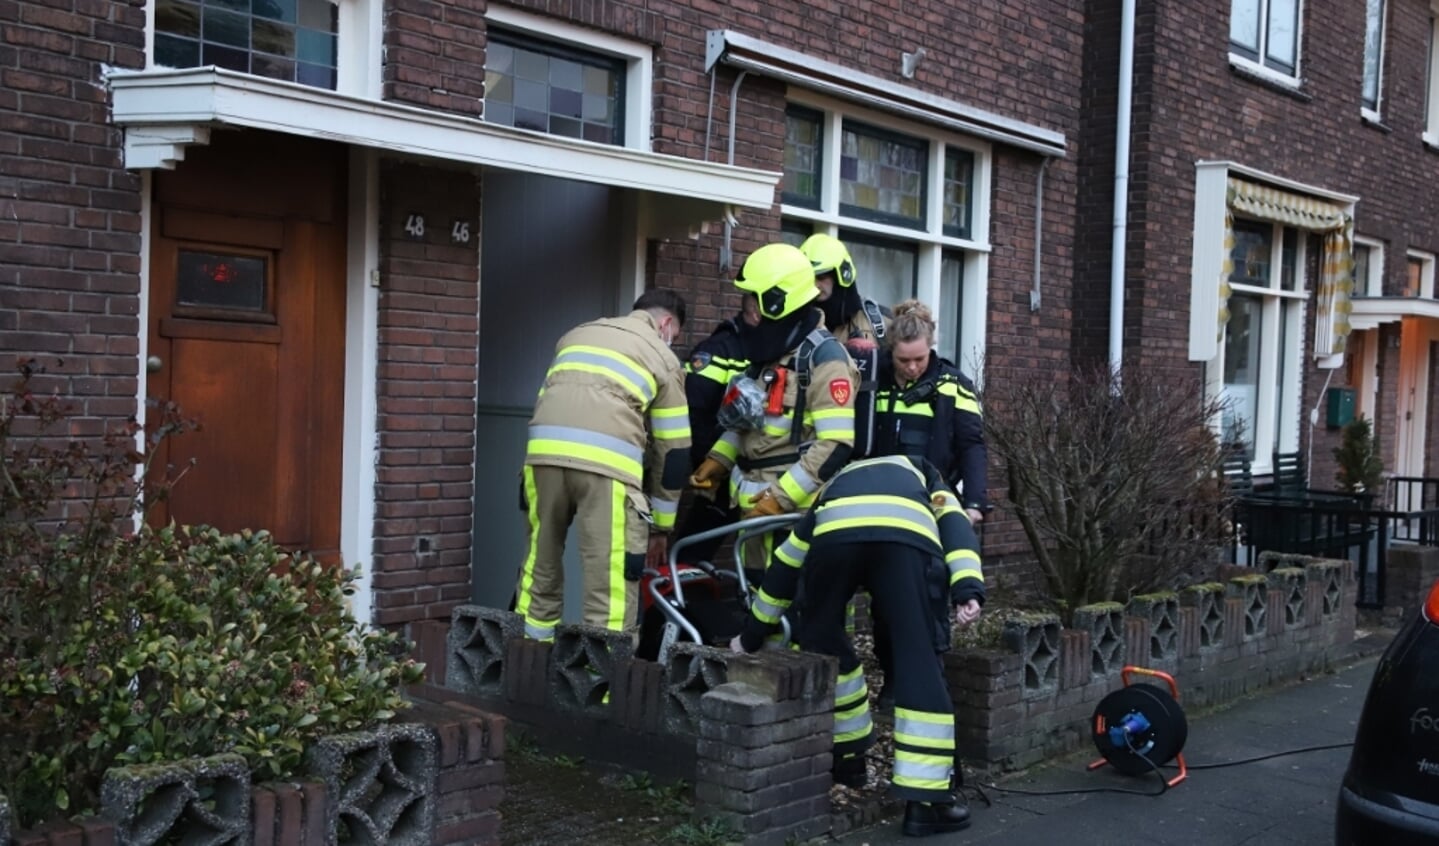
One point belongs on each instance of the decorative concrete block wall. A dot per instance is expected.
(1035, 697)
(753, 733)
(437, 781)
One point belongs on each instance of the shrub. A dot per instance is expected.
(1116, 483)
(1360, 469)
(128, 646)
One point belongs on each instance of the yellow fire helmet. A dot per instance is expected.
(828, 255)
(781, 277)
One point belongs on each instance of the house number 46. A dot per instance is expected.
(460, 232)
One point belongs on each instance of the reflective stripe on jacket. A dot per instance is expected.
(613, 403)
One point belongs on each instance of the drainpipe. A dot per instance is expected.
(726, 258)
(1121, 185)
(1038, 232)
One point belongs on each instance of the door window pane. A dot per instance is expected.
(1241, 370)
(214, 281)
(886, 268)
(532, 84)
(803, 146)
(882, 175)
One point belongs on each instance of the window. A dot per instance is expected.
(803, 155)
(882, 175)
(908, 200)
(289, 40)
(1374, 14)
(1368, 268)
(1419, 275)
(532, 84)
(1431, 94)
(1260, 353)
(1265, 34)
(549, 75)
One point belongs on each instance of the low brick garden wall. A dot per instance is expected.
(435, 781)
(1035, 697)
(752, 733)
(1412, 572)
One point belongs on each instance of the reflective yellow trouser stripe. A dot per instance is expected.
(922, 772)
(616, 619)
(534, 628)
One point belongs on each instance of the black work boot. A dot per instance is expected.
(925, 818)
(851, 772)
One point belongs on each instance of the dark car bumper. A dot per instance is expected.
(1363, 822)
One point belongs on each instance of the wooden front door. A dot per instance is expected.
(247, 318)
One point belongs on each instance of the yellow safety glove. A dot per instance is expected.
(767, 505)
(707, 474)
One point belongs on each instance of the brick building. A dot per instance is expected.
(346, 235)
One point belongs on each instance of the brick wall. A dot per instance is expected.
(435, 54)
(428, 355)
(69, 214)
(1035, 697)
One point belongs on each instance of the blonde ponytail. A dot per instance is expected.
(912, 321)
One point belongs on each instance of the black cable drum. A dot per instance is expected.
(1156, 723)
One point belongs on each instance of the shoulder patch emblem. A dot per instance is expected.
(700, 360)
(839, 389)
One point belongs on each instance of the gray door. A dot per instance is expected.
(549, 260)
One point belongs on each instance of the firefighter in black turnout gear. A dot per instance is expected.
(892, 526)
(708, 370)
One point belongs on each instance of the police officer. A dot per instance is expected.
(609, 449)
(889, 525)
(925, 407)
(802, 431)
(852, 319)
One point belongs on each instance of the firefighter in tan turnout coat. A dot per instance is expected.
(777, 459)
(608, 449)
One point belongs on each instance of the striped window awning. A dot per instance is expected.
(1336, 275)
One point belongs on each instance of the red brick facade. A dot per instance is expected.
(71, 215)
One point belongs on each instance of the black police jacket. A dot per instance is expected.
(707, 373)
(937, 416)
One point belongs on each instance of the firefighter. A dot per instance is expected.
(708, 370)
(608, 449)
(779, 450)
(852, 319)
(925, 407)
(892, 526)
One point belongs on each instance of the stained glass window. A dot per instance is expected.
(882, 175)
(803, 154)
(958, 191)
(536, 85)
(290, 40)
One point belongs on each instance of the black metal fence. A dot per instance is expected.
(1337, 525)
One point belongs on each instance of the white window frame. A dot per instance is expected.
(1276, 427)
(1426, 272)
(1375, 270)
(1373, 114)
(1431, 93)
(638, 59)
(930, 242)
(1258, 67)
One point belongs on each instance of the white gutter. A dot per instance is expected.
(1121, 186)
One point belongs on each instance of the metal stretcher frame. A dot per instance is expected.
(673, 606)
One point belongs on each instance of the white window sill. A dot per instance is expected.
(1251, 69)
(1431, 140)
